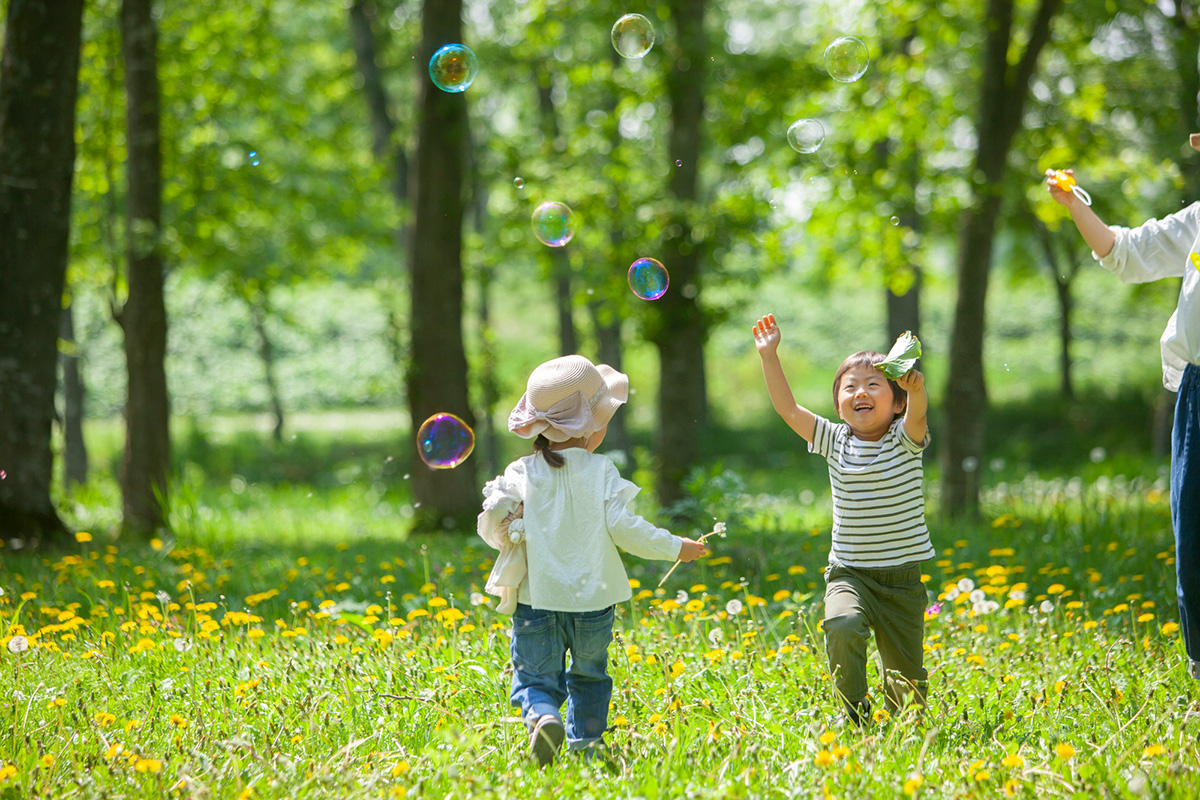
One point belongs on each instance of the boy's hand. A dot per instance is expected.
(1064, 197)
(691, 550)
(912, 381)
(766, 334)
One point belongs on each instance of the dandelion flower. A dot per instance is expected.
(1169, 628)
(823, 759)
(733, 607)
(1064, 751)
(6, 772)
(827, 737)
(1153, 750)
(47, 760)
(399, 769)
(1046, 607)
(913, 784)
(18, 644)
(83, 536)
(1013, 761)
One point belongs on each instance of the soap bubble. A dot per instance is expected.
(633, 36)
(648, 278)
(846, 59)
(444, 441)
(806, 135)
(553, 223)
(253, 156)
(453, 68)
(519, 183)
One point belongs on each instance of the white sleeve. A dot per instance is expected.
(1158, 248)
(629, 531)
(502, 496)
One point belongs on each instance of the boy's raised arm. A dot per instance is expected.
(916, 423)
(798, 418)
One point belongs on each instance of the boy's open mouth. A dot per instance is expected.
(862, 407)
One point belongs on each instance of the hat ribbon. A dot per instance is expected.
(569, 418)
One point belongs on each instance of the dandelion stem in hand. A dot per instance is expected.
(718, 530)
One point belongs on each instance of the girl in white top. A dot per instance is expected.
(558, 517)
(1166, 248)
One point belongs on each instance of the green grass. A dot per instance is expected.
(376, 675)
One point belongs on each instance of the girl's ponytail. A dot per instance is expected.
(542, 445)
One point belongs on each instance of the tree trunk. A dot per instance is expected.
(682, 329)
(38, 81)
(904, 310)
(75, 457)
(560, 258)
(267, 353)
(1001, 104)
(146, 462)
(383, 126)
(437, 377)
(1063, 269)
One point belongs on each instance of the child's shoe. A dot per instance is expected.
(545, 739)
(857, 714)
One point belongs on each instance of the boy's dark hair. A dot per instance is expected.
(866, 358)
(554, 458)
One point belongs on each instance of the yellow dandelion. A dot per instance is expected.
(827, 737)
(178, 721)
(1153, 750)
(400, 768)
(823, 758)
(104, 719)
(1147, 617)
(1064, 751)
(83, 536)
(148, 765)
(6, 772)
(1169, 628)
(1013, 761)
(47, 760)
(782, 594)
(913, 784)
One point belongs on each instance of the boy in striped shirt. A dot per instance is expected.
(879, 535)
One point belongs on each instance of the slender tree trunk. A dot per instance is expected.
(560, 257)
(146, 463)
(1002, 101)
(75, 457)
(904, 310)
(267, 353)
(437, 378)
(38, 81)
(1063, 268)
(682, 330)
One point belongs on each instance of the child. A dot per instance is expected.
(1166, 248)
(573, 507)
(879, 534)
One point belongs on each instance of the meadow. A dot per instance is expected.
(288, 644)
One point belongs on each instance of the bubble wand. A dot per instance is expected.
(1067, 183)
(718, 530)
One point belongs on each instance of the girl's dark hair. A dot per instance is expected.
(866, 358)
(554, 458)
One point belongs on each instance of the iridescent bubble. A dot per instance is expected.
(806, 135)
(453, 68)
(553, 223)
(846, 59)
(444, 441)
(519, 183)
(253, 156)
(648, 278)
(633, 36)
(678, 163)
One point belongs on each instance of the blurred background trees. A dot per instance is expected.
(305, 266)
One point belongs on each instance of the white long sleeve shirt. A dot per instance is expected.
(576, 516)
(1163, 248)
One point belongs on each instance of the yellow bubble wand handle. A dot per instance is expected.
(1067, 183)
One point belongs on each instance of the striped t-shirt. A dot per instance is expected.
(878, 503)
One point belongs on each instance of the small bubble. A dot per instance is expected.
(846, 59)
(453, 68)
(806, 135)
(648, 278)
(895, 220)
(553, 224)
(678, 162)
(519, 183)
(632, 36)
(444, 441)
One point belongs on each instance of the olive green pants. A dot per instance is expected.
(892, 603)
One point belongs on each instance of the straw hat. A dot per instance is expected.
(567, 398)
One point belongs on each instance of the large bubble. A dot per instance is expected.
(648, 278)
(553, 223)
(453, 68)
(806, 135)
(444, 441)
(633, 36)
(846, 59)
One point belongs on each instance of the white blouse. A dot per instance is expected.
(576, 516)
(1166, 248)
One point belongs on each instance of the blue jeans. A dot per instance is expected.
(541, 681)
(1185, 509)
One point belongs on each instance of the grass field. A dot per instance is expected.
(286, 645)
